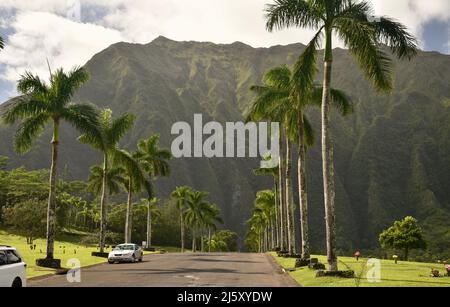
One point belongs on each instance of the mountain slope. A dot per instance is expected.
(392, 155)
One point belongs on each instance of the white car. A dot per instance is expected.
(126, 253)
(12, 268)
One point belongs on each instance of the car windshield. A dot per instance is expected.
(124, 247)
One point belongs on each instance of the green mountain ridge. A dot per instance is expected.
(392, 154)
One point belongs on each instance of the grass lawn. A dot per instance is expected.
(63, 251)
(403, 274)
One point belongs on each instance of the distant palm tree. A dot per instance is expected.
(136, 180)
(115, 180)
(211, 216)
(364, 35)
(106, 139)
(274, 172)
(40, 104)
(265, 206)
(181, 196)
(155, 163)
(152, 208)
(195, 214)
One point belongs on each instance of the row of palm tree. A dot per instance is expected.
(278, 100)
(366, 38)
(42, 103)
(197, 214)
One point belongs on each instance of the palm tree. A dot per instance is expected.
(364, 35)
(136, 180)
(40, 104)
(115, 180)
(2, 43)
(154, 162)
(195, 214)
(181, 195)
(106, 139)
(152, 210)
(210, 216)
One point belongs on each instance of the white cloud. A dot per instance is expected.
(43, 28)
(41, 35)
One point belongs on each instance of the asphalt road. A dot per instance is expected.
(181, 270)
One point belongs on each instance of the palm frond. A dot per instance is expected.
(31, 128)
(84, 117)
(293, 13)
(119, 128)
(359, 37)
(31, 84)
(305, 70)
(309, 132)
(396, 36)
(2, 43)
(65, 84)
(342, 102)
(21, 107)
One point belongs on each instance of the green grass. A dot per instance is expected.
(64, 250)
(403, 274)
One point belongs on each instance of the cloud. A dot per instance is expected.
(53, 29)
(41, 35)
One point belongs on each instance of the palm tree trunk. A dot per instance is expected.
(277, 215)
(209, 239)
(202, 241)
(327, 157)
(182, 230)
(193, 240)
(302, 188)
(282, 183)
(103, 204)
(129, 218)
(51, 210)
(289, 199)
(149, 225)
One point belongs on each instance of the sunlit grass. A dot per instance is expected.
(403, 274)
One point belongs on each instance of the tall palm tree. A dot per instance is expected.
(155, 163)
(106, 139)
(152, 210)
(364, 36)
(40, 104)
(181, 195)
(196, 205)
(136, 180)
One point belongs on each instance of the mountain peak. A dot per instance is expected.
(161, 40)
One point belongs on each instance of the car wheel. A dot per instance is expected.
(133, 260)
(140, 259)
(110, 262)
(17, 283)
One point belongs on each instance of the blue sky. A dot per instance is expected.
(70, 32)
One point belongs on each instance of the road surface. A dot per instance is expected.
(181, 270)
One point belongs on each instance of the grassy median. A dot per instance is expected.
(403, 274)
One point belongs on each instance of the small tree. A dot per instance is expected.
(405, 235)
(28, 218)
